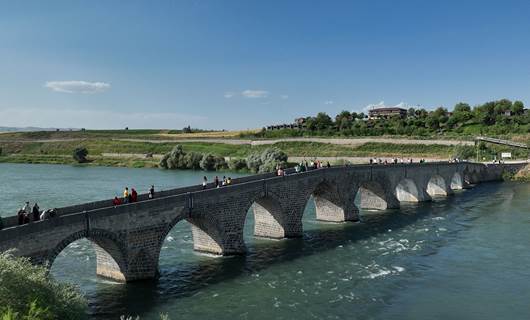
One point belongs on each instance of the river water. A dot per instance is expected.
(461, 257)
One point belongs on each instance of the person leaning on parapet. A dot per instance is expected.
(126, 195)
(35, 212)
(151, 192)
(134, 195)
(204, 182)
(116, 201)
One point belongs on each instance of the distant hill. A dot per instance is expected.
(32, 129)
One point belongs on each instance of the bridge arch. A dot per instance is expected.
(437, 186)
(407, 191)
(110, 253)
(457, 182)
(330, 204)
(372, 195)
(269, 217)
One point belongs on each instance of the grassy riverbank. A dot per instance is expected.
(128, 148)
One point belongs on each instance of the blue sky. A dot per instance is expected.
(246, 64)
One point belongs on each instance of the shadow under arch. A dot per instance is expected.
(110, 253)
(407, 191)
(437, 186)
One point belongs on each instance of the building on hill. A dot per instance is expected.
(299, 123)
(386, 112)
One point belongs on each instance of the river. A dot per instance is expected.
(461, 257)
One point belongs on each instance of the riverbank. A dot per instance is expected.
(144, 148)
(143, 154)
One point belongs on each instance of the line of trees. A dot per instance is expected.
(494, 118)
(265, 161)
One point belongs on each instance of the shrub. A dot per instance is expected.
(254, 162)
(80, 154)
(266, 161)
(25, 288)
(237, 164)
(464, 152)
(208, 162)
(193, 160)
(220, 163)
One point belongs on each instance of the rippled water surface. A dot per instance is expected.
(462, 257)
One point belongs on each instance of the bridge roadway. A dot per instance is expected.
(128, 238)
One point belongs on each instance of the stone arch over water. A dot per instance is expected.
(457, 182)
(372, 195)
(407, 191)
(110, 253)
(437, 186)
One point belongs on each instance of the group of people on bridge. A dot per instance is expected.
(394, 161)
(28, 214)
(306, 166)
(131, 196)
(217, 183)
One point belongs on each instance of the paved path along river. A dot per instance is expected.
(463, 257)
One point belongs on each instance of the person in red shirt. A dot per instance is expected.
(116, 201)
(134, 195)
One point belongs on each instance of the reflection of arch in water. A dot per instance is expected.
(406, 191)
(437, 186)
(110, 253)
(372, 195)
(457, 182)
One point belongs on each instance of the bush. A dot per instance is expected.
(464, 152)
(80, 154)
(220, 163)
(267, 161)
(254, 162)
(24, 288)
(193, 160)
(208, 162)
(237, 164)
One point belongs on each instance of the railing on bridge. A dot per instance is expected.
(502, 142)
(84, 208)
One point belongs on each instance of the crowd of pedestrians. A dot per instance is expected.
(29, 213)
(313, 164)
(393, 161)
(132, 196)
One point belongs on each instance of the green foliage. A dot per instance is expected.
(26, 292)
(80, 154)
(464, 152)
(491, 118)
(193, 160)
(237, 164)
(208, 162)
(266, 161)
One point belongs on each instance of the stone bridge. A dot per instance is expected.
(128, 238)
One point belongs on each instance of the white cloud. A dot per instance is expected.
(95, 119)
(328, 102)
(284, 96)
(77, 86)
(229, 95)
(255, 94)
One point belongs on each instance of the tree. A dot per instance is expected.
(80, 154)
(323, 121)
(208, 162)
(193, 160)
(26, 289)
(517, 108)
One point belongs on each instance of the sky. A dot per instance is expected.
(247, 64)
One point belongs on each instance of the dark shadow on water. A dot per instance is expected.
(187, 279)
